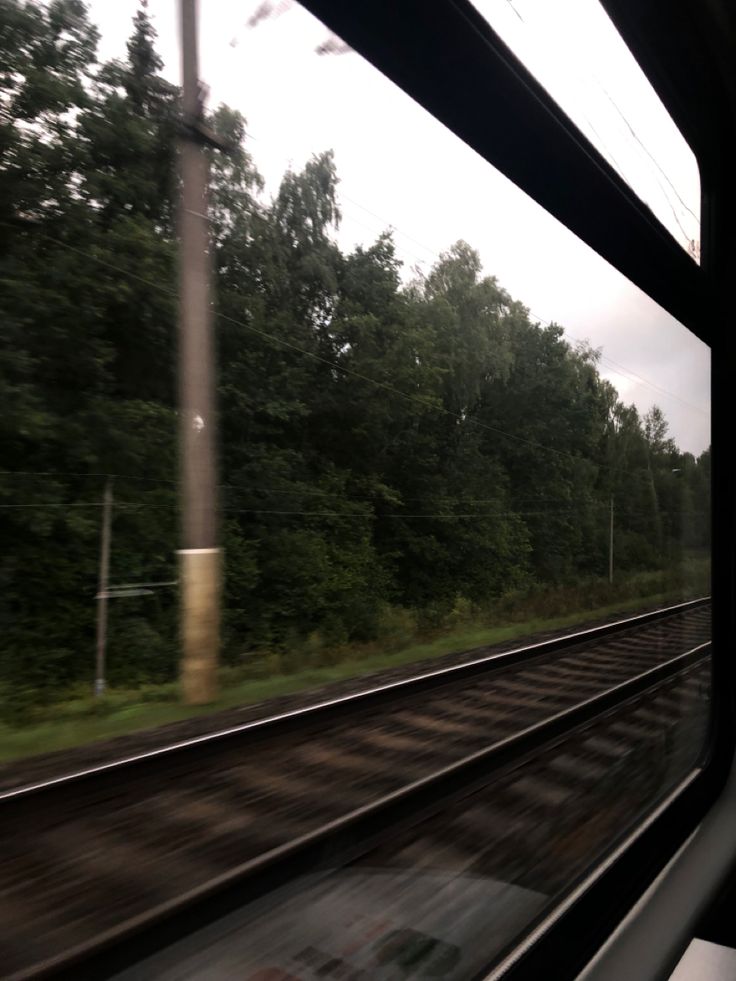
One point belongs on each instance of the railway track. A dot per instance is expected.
(132, 849)
(449, 896)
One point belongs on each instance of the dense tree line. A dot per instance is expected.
(383, 444)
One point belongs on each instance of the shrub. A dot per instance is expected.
(396, 627)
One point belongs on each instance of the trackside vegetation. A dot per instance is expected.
(76, 716)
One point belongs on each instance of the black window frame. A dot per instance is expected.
(445, 56)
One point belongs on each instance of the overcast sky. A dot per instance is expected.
(399, 167)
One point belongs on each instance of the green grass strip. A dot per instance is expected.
(119, 712)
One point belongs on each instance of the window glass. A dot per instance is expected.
(445, 427)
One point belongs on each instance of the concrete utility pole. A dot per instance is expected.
(610, 547)
(199, 555)
(102, 593)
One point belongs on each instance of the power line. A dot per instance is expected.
(416, 399)
(451, 517)
(102, 476)
(88, 504)
(603, 357)
(372, 516)
(343, 496)
(305, 491)
(425, 403)
(644, 148)
(436, 255)
(606, 151)
(511, 4)
(432, 252)
(628, 371)
(632, 376)
(400, 517)
(401, 248)
(636, 138)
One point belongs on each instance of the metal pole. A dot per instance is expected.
(199, 555)
(102, 595)
(610, 547)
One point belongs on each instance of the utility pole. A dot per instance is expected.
(610, 547)
(199, 554)
(102, 593)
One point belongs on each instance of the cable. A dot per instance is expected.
(636, 138)
(59, 473)
(343, 495)
(432, 252)
(384, 386)
(437, 256)
(381, 517)
(641, 144)
(89, 504)
(401, 248)
(638, 141)
(605, 358)
(511, 4)
(426, 403)
(627, 371)
(372, 516)
(605, 150)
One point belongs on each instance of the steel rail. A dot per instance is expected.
(343, 705)
(341, 839)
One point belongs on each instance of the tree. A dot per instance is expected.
(416, 444)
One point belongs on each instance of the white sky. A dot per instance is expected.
(399, 167)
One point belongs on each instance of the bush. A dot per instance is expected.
(138, 653)
(461, 613)
(395, 627)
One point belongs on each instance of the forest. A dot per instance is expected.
(392, 447)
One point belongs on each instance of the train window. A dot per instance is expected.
(459, 473)
(574, 50)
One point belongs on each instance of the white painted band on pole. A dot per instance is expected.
(196, 551)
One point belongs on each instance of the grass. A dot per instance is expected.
(84, 720)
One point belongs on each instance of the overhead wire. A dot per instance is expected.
(373, 516)
(644, 148)
(341, 496)
(511, 4)
(627, 371)
(426, 403)
(64, 473)
(432, 252)
(603, 357)
(436, 255)
(639, 142)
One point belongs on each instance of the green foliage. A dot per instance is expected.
(394, 458)
(395, 628)
(27, 726)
